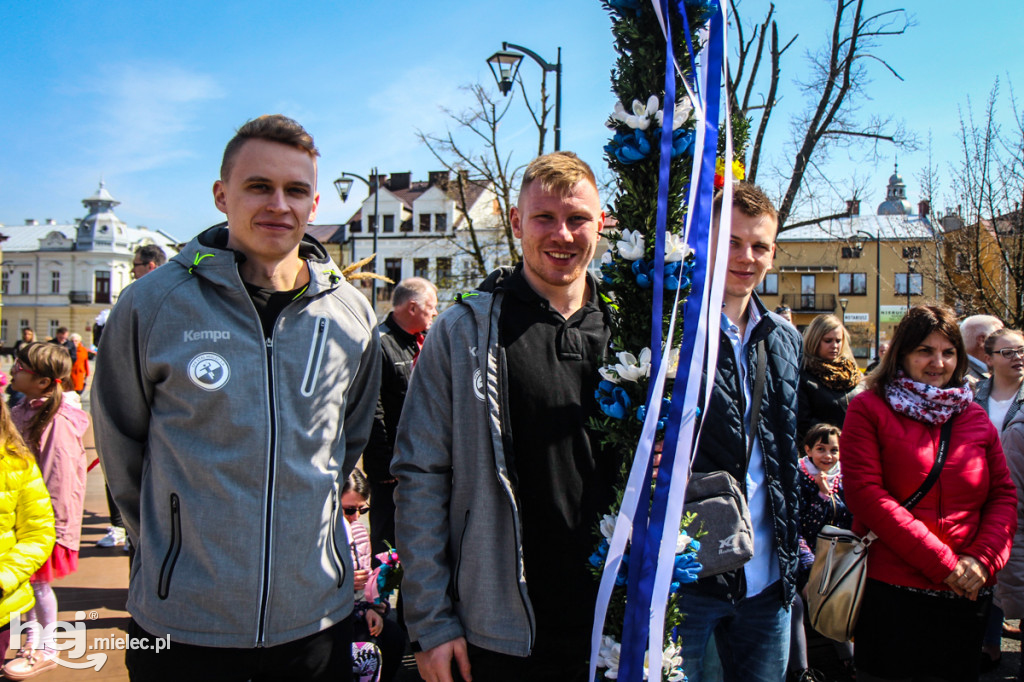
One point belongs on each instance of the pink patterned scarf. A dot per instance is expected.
(926, 403)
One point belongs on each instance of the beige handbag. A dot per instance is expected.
(837, 581)
(836, 586)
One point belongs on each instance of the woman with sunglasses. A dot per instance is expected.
(1002, 396)
(370, 623)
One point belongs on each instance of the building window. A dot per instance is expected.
(770, 285)
(962, 263)
(421, 267)
(851, 252)
(389, 223)
(24, 282)
(853, 283)
(424, 222)
(54, 326)
(102, 290)
(372, 222)
(54, 282)
(22, 326)
(356, 226)
(5, 283)
(444, 273)
(3, 332)
(916, 284)
(911, 252)
(406, 225)
(440, 222)
(393, 271)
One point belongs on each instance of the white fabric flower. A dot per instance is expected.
(606, 257)
(675, 248)
(631, 368)
(672, 663)
(682, 542)
(641, 116)
(680, 115)
(608, 526)
(631, 245)
(608, 657)
(608, 374)
(673, 362)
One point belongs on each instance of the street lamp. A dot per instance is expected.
(843, 302)
(505, 66)
(878, 278)
(344, 186)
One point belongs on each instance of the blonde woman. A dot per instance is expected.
(829, 378)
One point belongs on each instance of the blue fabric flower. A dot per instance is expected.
(623, 575)
(682, 142)
(629, 147)
(672, 271)
(666, 405)
(614, 401)
(642, 272)
(607, 272)
(625, 7)
(685, 569)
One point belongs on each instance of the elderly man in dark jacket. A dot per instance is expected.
(748, 609)
(414, 307)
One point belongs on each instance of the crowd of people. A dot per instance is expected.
(238, 386)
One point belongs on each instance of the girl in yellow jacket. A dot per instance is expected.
(26, 525)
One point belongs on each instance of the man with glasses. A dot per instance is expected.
(147, 259)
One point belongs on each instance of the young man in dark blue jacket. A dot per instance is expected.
(747, 610)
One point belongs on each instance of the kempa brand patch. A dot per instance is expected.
(209, 371)
(207, 335)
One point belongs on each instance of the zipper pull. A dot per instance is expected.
(270, 343)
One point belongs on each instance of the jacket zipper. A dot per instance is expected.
(171, 558)
(316, 355)
(339, 563)
(458, 565)
(268, 533)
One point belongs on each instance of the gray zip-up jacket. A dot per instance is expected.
(226, 453)
(457, 521)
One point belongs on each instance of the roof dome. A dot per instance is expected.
(895, 196)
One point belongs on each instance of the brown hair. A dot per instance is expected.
(990, 340)
(557, 172)
(815, 332)
(915, 327)
(49, 361)
(750, 200)
(819, 433)
(272, 127)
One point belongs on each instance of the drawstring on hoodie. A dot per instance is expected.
(199, 257)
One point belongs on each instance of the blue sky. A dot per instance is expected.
(145, 95)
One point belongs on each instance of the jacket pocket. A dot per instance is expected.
(171, 558)
(458, 564)
(316, 355)
(339, 563)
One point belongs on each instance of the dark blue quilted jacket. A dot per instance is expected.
(723, 442)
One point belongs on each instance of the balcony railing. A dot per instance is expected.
(810, 303)
(80, 296)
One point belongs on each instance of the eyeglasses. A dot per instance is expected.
(18, 367)
(352, 511)
(138, 265)
(1011, 353)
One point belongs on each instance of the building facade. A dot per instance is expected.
(423, 231)
(865, 269)
(63, 275)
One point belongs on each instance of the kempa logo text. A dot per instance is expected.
(70, 637)
(207, 335)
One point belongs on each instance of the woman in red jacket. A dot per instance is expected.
(932, 568)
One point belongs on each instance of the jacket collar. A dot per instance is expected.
(209, 257)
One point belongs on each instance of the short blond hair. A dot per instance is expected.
(557, 172)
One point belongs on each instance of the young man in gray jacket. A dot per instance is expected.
(499, 483)
(234, 392)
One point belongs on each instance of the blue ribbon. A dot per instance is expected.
(636, 622)
(647, 534)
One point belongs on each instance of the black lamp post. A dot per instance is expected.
(505, 66)
(878, 280)
(344, 186)
(911, 262)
